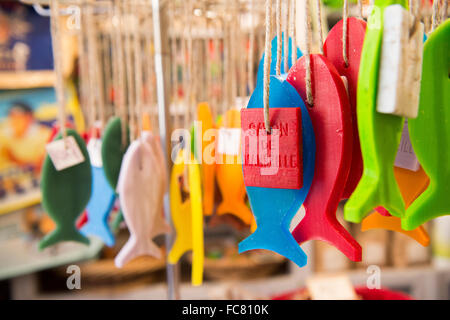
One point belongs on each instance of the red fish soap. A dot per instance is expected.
(272, 160)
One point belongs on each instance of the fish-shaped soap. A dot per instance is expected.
(187, 215)
(180, 210)
(331, 119)
(102, 199)
(275, 208)
(430, 131)
(379, 133)
(140, 188)
(65, 195)
(113, 150)
(204, 116)
(333, 50)
(229, 169)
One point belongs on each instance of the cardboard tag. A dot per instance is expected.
(400, 64)
(336, 287)
(64, 153)
(94, 148)
(229, 141)
(406, 158)
(274, 160)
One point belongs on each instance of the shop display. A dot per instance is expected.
(217, 138)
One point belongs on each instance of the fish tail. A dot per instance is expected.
(379, 221)
(331, 231)
(134, 249)
(61, 235)
(99, 229)
(432, 203)
(238, 209)
(277, 240)
(374, 192)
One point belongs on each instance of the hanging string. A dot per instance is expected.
(152, 69)
(206, 52)
(95, 72)
(251, 50)
(234, 63)
(189, 64)
(107, 67)
(360, 7)
(84, 87)
(58, 66)
(173, 49)
(239, 58)
(138, 72)
(217, 59)
(114, 64)
(344, 33)
(307, 28)
(184, 64)
(279, 37)
(444, 10)
(413, 10)
(286, 36)
(267, 62)
(99, 79)
(319, 25)
(129, 72)
(91, 65)
(226, 67)
(293, 32)
(120, 89)
(434, 17)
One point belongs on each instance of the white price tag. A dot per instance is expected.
(64, 153)
(94, 148)
(229, 141)
(406, 158)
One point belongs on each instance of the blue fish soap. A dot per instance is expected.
(272, 160)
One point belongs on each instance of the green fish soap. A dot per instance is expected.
(65, 194)
(113, 150)
(379, 133)
(430, 131)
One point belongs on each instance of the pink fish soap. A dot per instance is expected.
(272, 160)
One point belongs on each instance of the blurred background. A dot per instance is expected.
(28, 113)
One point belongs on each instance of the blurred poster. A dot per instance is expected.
(25, 41)
(26, 121)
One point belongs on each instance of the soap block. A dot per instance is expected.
(400, 70)
(272, 160)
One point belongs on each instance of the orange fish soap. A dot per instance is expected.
(272, 160)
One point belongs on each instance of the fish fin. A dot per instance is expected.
(373, 192)
(432, 203)
(330, 231)
(236, 208)
(277, 240)
(134, 249)
(379, 221)
(101, 230)
(61, 235)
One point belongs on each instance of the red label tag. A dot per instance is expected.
(272, 160)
